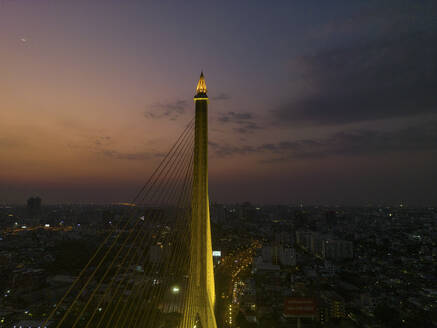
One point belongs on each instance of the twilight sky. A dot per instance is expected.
(328, 102)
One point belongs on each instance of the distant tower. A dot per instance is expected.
(200, 298)
(34, 206)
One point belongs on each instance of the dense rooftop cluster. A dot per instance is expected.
(276, 265)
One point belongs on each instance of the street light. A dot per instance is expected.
(175, 289)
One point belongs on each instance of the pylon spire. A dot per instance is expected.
(201, 87)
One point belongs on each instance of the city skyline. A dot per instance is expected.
(314, 103)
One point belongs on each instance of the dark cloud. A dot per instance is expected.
(140, 156)
(221, 96)
(223, 150)
(168, 110)
(249, 127)
(234, 117)
(243, 122)
(389, 16)
(103, 145)
(382, 78)
(8, 143)
(355, 142)
(103, 141)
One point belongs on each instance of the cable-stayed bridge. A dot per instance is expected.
(154, 268)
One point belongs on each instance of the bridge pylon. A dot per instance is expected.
(200, 296)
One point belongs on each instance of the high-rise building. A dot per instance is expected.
(331, 218)
(303, 238)
(218, 213)
(338, 249)
(336, 304)
(287, 256)
(34, 206)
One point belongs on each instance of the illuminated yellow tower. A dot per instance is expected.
(200, 299)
